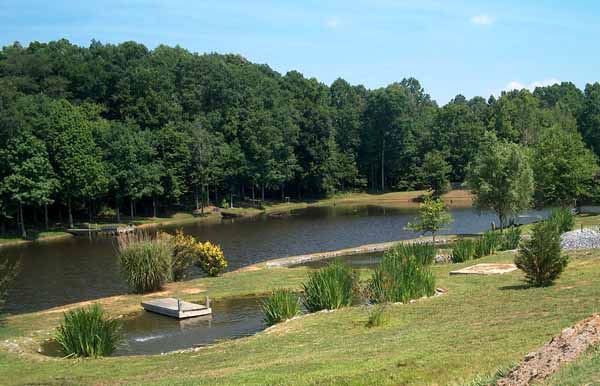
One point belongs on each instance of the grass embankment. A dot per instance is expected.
(481, 324)
(585, 371)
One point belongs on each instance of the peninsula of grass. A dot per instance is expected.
(483, 323)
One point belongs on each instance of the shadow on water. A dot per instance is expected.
(80, 269)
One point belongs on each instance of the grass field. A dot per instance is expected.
(480, 325)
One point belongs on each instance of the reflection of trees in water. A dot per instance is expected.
(8, 272)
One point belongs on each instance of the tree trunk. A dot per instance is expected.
(154, 204)
(231, 200)
(253, 197)
(23, 231)
(262, 192)
(90, 211)
(282, 193)
(202, 200)
(70, 213)
(196, 196)
(46, 216)
(131, 215)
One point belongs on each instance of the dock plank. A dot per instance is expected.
(176, 308)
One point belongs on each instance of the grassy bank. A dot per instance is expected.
(33, 236)
(481, 324)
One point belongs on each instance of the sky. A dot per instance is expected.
(451, 47)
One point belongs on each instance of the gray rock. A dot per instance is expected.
(580, 239)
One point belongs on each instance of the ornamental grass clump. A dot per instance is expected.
(145, 261)
(563, 218)
(400, 278)
(540, 257)
(510, 238)
(487, 244)
(88, 332)
(463, 250)
(423, 252)
(329, 288)
(281, 305)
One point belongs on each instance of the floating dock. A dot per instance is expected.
(176, 308)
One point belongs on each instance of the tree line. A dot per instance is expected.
(83, 129)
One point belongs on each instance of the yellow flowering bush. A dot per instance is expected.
(211, 258)
(187, 251)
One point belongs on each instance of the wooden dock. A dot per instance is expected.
(176, 308)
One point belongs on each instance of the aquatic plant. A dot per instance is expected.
(88, 332)
(145, 261)
(400, 278)
(487, 244)
(563, 218)
(510, 238)
(541, 257)
(423, 252)
(281, 305)
(463, 250)
(330, 287)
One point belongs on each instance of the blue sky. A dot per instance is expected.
(468, 47)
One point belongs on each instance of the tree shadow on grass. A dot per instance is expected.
(516, 287)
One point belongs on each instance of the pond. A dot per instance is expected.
(77, 269)
(147, 333)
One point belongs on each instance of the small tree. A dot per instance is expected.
(501, 178)
(432, 218)
(540, 257)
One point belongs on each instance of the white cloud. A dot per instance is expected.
(333, 22)
(482, 19)
(515, 85)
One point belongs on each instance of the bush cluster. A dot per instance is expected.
(88, 332)
(188, 251)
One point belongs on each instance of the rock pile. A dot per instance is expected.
(580, 239)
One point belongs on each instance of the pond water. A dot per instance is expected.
(149, 333)
(77, 269)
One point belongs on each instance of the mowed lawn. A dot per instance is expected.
(481, 324)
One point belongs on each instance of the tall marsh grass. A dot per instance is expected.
(487, 244)
(511, 237)
(88, 332)
(563, 218)
(146, 262)
(281, 305)
(423, 252)
(329, 288)
(463, 250)
(400, 278)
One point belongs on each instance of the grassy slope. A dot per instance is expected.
(585, 371)
(482, 323)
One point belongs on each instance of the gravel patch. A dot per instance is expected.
(580, 239)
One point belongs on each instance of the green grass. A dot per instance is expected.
(281, 305)
(329, 288)
(481, 324)
(584, 371)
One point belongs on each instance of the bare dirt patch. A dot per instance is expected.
(562, 349)
(485, 269)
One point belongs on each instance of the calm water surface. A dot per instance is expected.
(77, 269)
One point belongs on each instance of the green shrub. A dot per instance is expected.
(400, 278)
(463, 250)
(184, 253)
(540, 257)
(423, 252)
(281, 305)
(330, 287)
(510, 238)
(487, 244)
(563, 218)
(145, 262)
(376, 316)
(88, 332)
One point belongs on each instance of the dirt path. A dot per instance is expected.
(562, 349)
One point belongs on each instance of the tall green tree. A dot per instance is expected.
(501, 178)
(28, 176)
(563, 167)
(434, 173)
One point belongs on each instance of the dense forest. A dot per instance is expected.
(84, 130)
